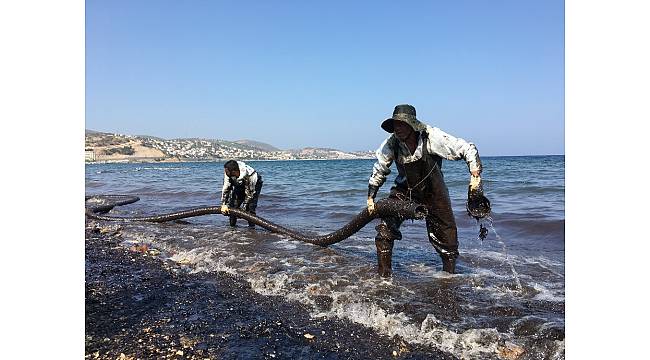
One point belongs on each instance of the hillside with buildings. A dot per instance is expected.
(107, 147)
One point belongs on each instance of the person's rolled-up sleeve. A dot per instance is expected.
(226, 190)
(453, 148)
(381, 168)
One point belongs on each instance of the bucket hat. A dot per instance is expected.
(405, 113)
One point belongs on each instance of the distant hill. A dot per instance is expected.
(258, 145)
(102, 146)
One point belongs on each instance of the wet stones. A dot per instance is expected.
(510, 351)
(323, 302)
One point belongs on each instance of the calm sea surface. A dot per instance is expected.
(509, 291)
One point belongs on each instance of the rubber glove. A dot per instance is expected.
(224, 209)
(372, 192)
(371, 205)
(475, 183)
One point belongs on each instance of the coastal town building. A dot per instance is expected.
(194, 149)
(90, 154)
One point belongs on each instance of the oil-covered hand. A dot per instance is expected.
(372, 192)
(475, 182)
(478, 206)
(371, 205)
(224, 209)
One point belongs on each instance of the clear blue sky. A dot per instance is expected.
(305, 73)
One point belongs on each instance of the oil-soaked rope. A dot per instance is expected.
(100, 204)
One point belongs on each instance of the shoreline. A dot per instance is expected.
(126, 161)
(142, 161)
(138, 305)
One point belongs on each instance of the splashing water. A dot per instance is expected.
(490, 223)
(483, 232)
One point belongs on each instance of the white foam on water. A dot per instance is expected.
(271, 284)
(204, 261)
(285, 245)
(543, 261)
(368, 314)
(500, 257)
(487, 273)
(288, 262)
(545, 264)
(552, 291)
(301, 298)
(478, 278)
(318, 288)
(420, 268)
(546, 294)
(470, 344)
(429, 271)
(406, 290)
(138, 237)
(499, 292)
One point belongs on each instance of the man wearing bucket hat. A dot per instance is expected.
(418, 150)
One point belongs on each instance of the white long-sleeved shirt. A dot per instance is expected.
(439, 143)
(247, 176)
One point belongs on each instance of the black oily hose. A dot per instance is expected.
(383, 208)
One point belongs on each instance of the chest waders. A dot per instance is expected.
(420, 181)
(239, 194)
